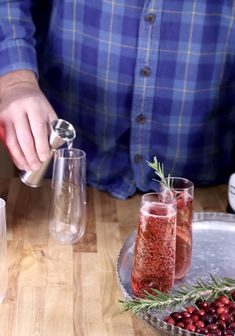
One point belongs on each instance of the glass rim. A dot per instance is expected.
(2, 203)
(182, 179)
(80, 153)
(161, 192)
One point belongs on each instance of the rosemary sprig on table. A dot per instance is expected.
(185, 295)
(159, 170)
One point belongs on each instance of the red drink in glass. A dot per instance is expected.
(154, 253)
(183, 190)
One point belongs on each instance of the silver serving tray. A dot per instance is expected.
(213, 253)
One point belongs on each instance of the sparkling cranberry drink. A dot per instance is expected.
(154, 253)
(183, 235)
(183, 190)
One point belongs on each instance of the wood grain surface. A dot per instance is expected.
(65, 290)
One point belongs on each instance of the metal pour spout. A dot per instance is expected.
(61, 132)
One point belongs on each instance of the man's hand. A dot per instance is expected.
(25, 118)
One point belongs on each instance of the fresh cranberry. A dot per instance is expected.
(226, 310)
(169, 320)
(218, 304)
(195, 318)
(232, 313)
(188, 320)
(228, 333)
(232, 326)
(202, 304)
(201, 312)
(216, 332)
(190, 309)
(232, 305)
(186, 314)
(177, 316)
(227, 318)
(207, 318)
(190, 327)
(215, 317)
(180, 325)
(200, 330)
(206, 305)
(212, 326)
(221, 325)
(222, 310)
(198, 303)
(199, 324)
(206, 331)
(224, 299)
(211, 310)
(233, 295)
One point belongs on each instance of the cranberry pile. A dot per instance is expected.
(207, 318)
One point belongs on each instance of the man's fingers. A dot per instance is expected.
(40, 119)
(40, 134)
(26, 142)
(13, 147)
(51, 113)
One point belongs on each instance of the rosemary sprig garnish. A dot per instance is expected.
(159, 170)
(183, 296)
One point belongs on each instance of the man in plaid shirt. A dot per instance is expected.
(136, 78)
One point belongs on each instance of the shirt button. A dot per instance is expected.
(138, 158)
(140, 119)
(145, 71)
(150, 18)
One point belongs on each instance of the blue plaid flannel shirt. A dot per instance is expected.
(137, 79)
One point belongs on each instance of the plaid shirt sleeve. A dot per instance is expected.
(16, 37)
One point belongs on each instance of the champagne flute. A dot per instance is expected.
(153, 264)
(68, 197)
(183, 190)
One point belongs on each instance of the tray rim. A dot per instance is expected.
(158, 324)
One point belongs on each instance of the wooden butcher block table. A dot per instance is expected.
(65, 290)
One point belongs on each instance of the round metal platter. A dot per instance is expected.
(213, 253)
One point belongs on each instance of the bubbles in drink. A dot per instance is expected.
(154, 252)
(183, 234)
